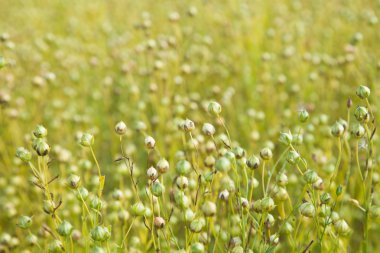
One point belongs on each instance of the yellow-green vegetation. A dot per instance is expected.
(189, 126)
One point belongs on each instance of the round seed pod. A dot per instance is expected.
(138, 209)
(197, 247)
(310, 176)
(40, 131)
(121, 128)
(223, 164)
(363, 92)
(152, 173)
(159, 222)
(337, 129)
(361, 114)
(197, 225)
(188, 125)
(224, 195)
(86, 140)
(303, 115)
(157, 188)
(208, 129)
(358, 131)
(65, 229)
(82, 193)
(150, 143)
(266, 154)
(162, 165)
(209, 208)
(42, 148)
(73, 181)
(100, 234)
(253, 162)
(307, 209)
(24, 222)
(183, 167)
(23, 154)
(282, 179)
(267, 204)
(342, 228)
(214, 108)
(55, 247)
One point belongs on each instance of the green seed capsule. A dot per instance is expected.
(23, 154)
(31, 239)
(363, 92)
(361, 114)
(138, 209)
(40, 132)
(24, 222)
(238, 249)
(288, 228)
(183, 167)
(100, 234)
(266, 154)
(293, 157)
(42, 148)
(325, 198)
(358, 131)
(374, 212)
(86, 140)
(73, 181)
(267, 204)
(197, 247)
(121, 128)
(82, 193)
(342, 228)
(307, 209)
(209, 208)
(239, 152)
(48, 206)
(253, 162)
(223, 164)
(55, 247)
(337, 129)
(310, 176)
(197, 225)
(280, 194)
(303, 116)
(157, 188)
(162, 165)
(97, 249)
(286, 138)
(214, 108)
(96, 203)
(65, 229)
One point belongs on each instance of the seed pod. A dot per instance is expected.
(183, 167)
(121, 128)
(224, 195)
(157, 188)
(310, 176)
(266, 154)
(197, 225)
(188, 125)
(197, 247)
(97, 249)
(363, 92)
(288, 228)
(182, 182)
(150, 143)
(223, 164)
(40, 131)
(162, 165)
(138, 209)
(337, 129)
(23, 154)
(303, 115)
(239, 152)
(100, 234)
(325, 198)
(253, 162)
(209, 161)
(48, 206)
(280, 194)
(82, 193)
(307, 209)
(73, 181)
(244, 203)
(238, 249)
(189, 215)
(358, 131)
(152, 173)
(374, 212)
(159, 222)
(286, 138)
(361, 114)
(293, 157)
(267, 204)
(274, 239)
(24, 222)
(214, 108)
(209, 208)
(65, 229)
(342, 228)
(42, 148)
(181, 200)
(55, 247)
(256, 206)
(282, 179)
(86, 140)
(208, 129)
(31, 239)
(96, 203)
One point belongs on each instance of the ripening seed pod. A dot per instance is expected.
(288, 228)
(121, 128)
(208, 129)
(310, 176)
(223, 164)
(325, 198)
(100, 234)
(303, 115)
(162, 165)
(307, 209)
(188, 125)
(282, 179)
(183, 167)
(42, 148)
(157, 188)
(86, 140)
(279, 193)
(82, 193)
(224, 195)
(96, 203)
(214, 108)
(97, 249)
(159, 222)
(363, 92)
(48, 206)
(73, 181)
(182, 182)
(152, 173)
(274, 239)
(23, 154)
(209, 161)
(337, 129)
(197, 225)
(267, 204)
(55, 247)
(253, 162)
(293, 157)
(150, 143)
(40, 131)
(24, 222)
(342, 228)
(361, 114)
(138, 209)
(266, 154)
(197, 247)
(31, 239)
(189, 215)
(374, 212)
(358, 131)
(286, 138)
(208, 208)
(181, 200)
(65, 229)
